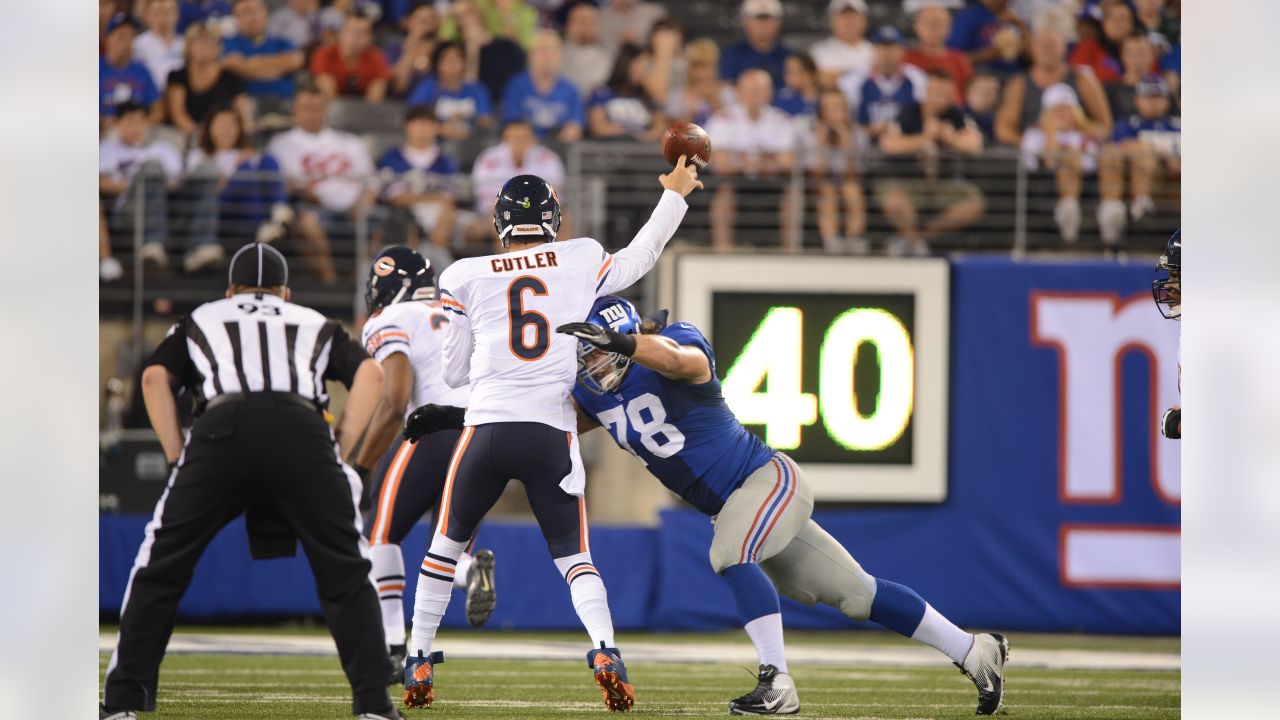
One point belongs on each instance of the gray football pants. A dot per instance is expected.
(767, 521)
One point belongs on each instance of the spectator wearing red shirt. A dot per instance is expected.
(352, 66)
(932, 25)
(1102, 54)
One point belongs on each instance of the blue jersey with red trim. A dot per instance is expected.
(683, 432)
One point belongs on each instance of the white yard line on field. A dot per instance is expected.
(493, 648)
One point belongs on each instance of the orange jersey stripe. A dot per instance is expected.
(455, 303)
(391, 588)
(443, 526)
(604, 268)
(387, 498)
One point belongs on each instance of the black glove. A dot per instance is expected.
(1171, 424)
(600, 337)
(432, 418)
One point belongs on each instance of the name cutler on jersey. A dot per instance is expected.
(546, 258)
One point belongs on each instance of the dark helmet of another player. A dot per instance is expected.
(398, 273)
(526, 208)
(601, 371)
(1167, 291)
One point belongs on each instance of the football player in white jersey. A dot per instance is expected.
(520, 422)
(404, 334)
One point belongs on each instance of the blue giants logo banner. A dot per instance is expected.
(1061, 509)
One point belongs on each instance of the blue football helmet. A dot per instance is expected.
(1167, 291)
(526, 208)
(599, 370)
(398, 273)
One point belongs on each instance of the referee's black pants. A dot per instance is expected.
(267, 450)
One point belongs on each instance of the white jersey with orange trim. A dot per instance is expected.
(415, 328)
(505, 310)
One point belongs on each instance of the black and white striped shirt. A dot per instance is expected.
(256, 342)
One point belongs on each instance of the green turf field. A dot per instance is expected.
(286, 687)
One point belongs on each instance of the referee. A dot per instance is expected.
(257, 365)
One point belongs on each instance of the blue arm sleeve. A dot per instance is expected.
(685, 334)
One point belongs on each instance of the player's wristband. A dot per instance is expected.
(1171, 424)
(621, 343)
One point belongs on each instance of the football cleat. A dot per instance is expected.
(104, 714)
(984, 665)
(775, 694)
(481, 591)
(611, 676)
(419, 679)
(398, 654)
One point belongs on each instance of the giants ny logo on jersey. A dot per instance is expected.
(1093, 333)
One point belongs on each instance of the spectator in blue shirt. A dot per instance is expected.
(419, 182)
(760, 47)
(879, 99)
(543, 96)
(622, 108)
(1149, 141)
(799, 97)
(992, 35)
(460, 105)
(266, 63)
(191, 12)
(253, 205)
(121, 79)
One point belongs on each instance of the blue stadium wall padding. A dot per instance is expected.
(532, 595)
(989, 556)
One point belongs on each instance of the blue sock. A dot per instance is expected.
(754, 593)
(897, 607)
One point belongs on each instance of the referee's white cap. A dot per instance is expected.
(258, 265)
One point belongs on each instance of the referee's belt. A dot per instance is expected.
(266, 396)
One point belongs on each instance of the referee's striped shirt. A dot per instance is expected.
(255, 342)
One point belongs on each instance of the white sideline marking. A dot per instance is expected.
(493, 648)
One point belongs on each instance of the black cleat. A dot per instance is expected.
(984, 665)
(775, 694)
(398, 653)
(482, 593)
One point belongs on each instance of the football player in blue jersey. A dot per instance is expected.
(655, 389)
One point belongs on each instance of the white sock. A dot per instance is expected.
(388, 579)
(432, 597)
(589, 597)
(464, 568)
(766, 634)
(937, 631)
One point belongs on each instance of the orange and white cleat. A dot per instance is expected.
(419, 679)
(611, 676)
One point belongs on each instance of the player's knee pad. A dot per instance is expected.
(855, 592)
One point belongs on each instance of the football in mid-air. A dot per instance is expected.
(688, 139)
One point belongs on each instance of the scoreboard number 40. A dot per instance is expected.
(764, 385)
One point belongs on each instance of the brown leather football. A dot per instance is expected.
(688, 139)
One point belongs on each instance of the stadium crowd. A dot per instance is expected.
(223, 121)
